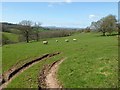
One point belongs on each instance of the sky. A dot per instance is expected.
(60, 0)
(59, 14)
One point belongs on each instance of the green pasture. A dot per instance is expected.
(11, 36)
(92, 61)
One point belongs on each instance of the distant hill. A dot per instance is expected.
(14, 28)
(13, 33)
(9, 27)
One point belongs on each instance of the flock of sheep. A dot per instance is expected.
(66, 40)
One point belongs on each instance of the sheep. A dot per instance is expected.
(45, 42)
(56, 40)
(74, 39)
(66, 40)
(117, 36)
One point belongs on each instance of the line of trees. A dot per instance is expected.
(28, 30)
(31, 31)
(106, 24)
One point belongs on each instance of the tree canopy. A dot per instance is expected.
(105, 24)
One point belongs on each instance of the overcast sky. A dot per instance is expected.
(61, 14)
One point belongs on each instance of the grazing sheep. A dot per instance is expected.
(45, 42)
(74, 39)
(117, 36)
(66, 40)
(56, 40)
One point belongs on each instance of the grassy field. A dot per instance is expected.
(92, 61)
(12, 37)
(0, 60)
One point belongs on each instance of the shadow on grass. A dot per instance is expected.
(107, 35)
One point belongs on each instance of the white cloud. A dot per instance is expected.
(62, 24)
(68, 1)
(52, 4)
(92, 16)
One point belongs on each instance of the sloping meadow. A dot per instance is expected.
(92, 61)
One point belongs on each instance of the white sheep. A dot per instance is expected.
(66, 40)
(117, 36)
(45, 42)
(56, 40)
(74, 39)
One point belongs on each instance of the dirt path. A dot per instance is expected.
(51, 78)
(48, 78)
(11, 75)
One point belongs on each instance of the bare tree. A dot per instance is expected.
(37, 27)
(26, 29)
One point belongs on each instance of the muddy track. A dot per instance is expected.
(47, 77)
(12, 72)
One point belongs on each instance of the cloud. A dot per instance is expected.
(91, 16)
(62, 24)
(68, 1)
(52, 4)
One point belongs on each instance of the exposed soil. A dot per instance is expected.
(12, 72)
(48, 78)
